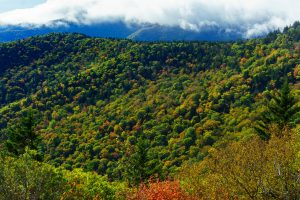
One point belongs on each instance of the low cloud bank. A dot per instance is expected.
(251, 17)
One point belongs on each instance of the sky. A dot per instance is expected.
(253, 17)
(8, 5)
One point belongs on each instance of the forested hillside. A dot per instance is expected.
(99, 103)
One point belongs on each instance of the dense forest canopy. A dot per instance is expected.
(103, 104)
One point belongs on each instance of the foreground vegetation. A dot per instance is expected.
(248, 169)
(88, 118)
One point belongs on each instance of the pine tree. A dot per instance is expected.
(141, 166)
(281, 111)
(23, 135)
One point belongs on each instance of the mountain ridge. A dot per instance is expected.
(94, 97)
(119, 29)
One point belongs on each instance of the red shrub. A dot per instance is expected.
(167, 190)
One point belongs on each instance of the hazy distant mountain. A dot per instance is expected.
(165, 33)
(144, 32)
(114, 30)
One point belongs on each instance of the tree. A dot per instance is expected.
(141, 166)
(23, 135)
(166, 190)
(26, 178)
(281, 111)
(248, 169)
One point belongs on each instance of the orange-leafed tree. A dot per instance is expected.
(166, 190)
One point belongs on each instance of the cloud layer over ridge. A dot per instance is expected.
(251, 17)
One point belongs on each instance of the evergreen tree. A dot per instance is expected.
(23, 135)
(281, 111)
(141, 166)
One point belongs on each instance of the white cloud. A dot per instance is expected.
(253, 17)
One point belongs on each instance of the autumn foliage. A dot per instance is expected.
(166, 190)
(250, 169)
